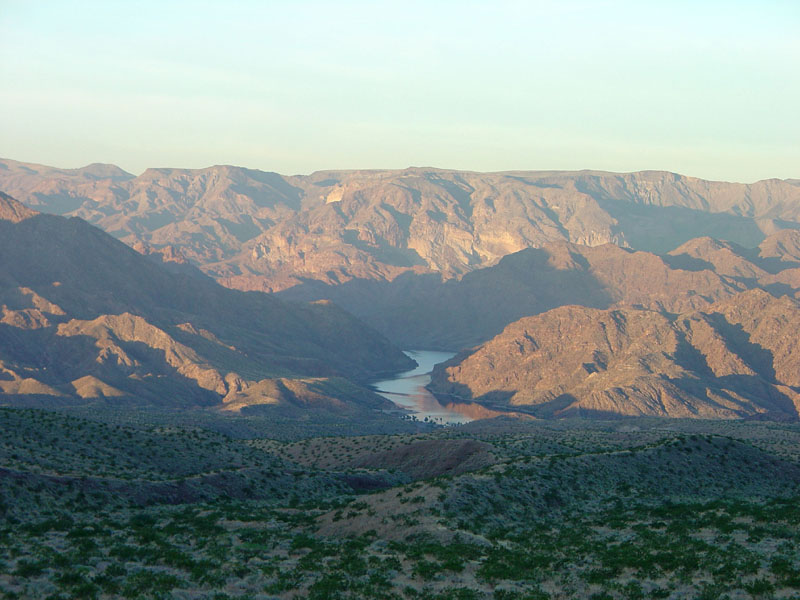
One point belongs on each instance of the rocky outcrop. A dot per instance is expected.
(13, 211)
(733, 359)
(113, 332)
(431, 458)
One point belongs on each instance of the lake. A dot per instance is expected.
(407, 390)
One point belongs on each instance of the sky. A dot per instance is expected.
(708, 89)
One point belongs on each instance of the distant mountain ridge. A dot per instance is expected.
(263, 231)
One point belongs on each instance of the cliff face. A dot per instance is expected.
(82, 315)
(736, 358)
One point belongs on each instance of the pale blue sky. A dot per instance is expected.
(709, 89)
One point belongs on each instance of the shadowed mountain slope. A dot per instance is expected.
(81, 313)
(424, 311)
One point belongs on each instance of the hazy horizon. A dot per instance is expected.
(705, 91)
(356, 169)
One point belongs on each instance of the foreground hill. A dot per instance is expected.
(84, 316)
(736, 358)
(258, 230)
(498, 509)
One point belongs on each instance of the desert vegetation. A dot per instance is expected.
(136, 507)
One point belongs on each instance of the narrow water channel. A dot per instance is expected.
(407, 390)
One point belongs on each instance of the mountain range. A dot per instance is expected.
(257, 230)
(566, 293)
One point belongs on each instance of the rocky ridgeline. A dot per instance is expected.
(258, 230)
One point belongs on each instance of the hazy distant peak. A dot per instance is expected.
(156, 172)
(93, 171)
(257, 230)
(153, 173)
(105, 171)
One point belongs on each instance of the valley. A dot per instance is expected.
(399, 301)
(408, 390)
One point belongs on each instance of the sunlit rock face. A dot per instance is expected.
(259, 230)
(737, 358)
